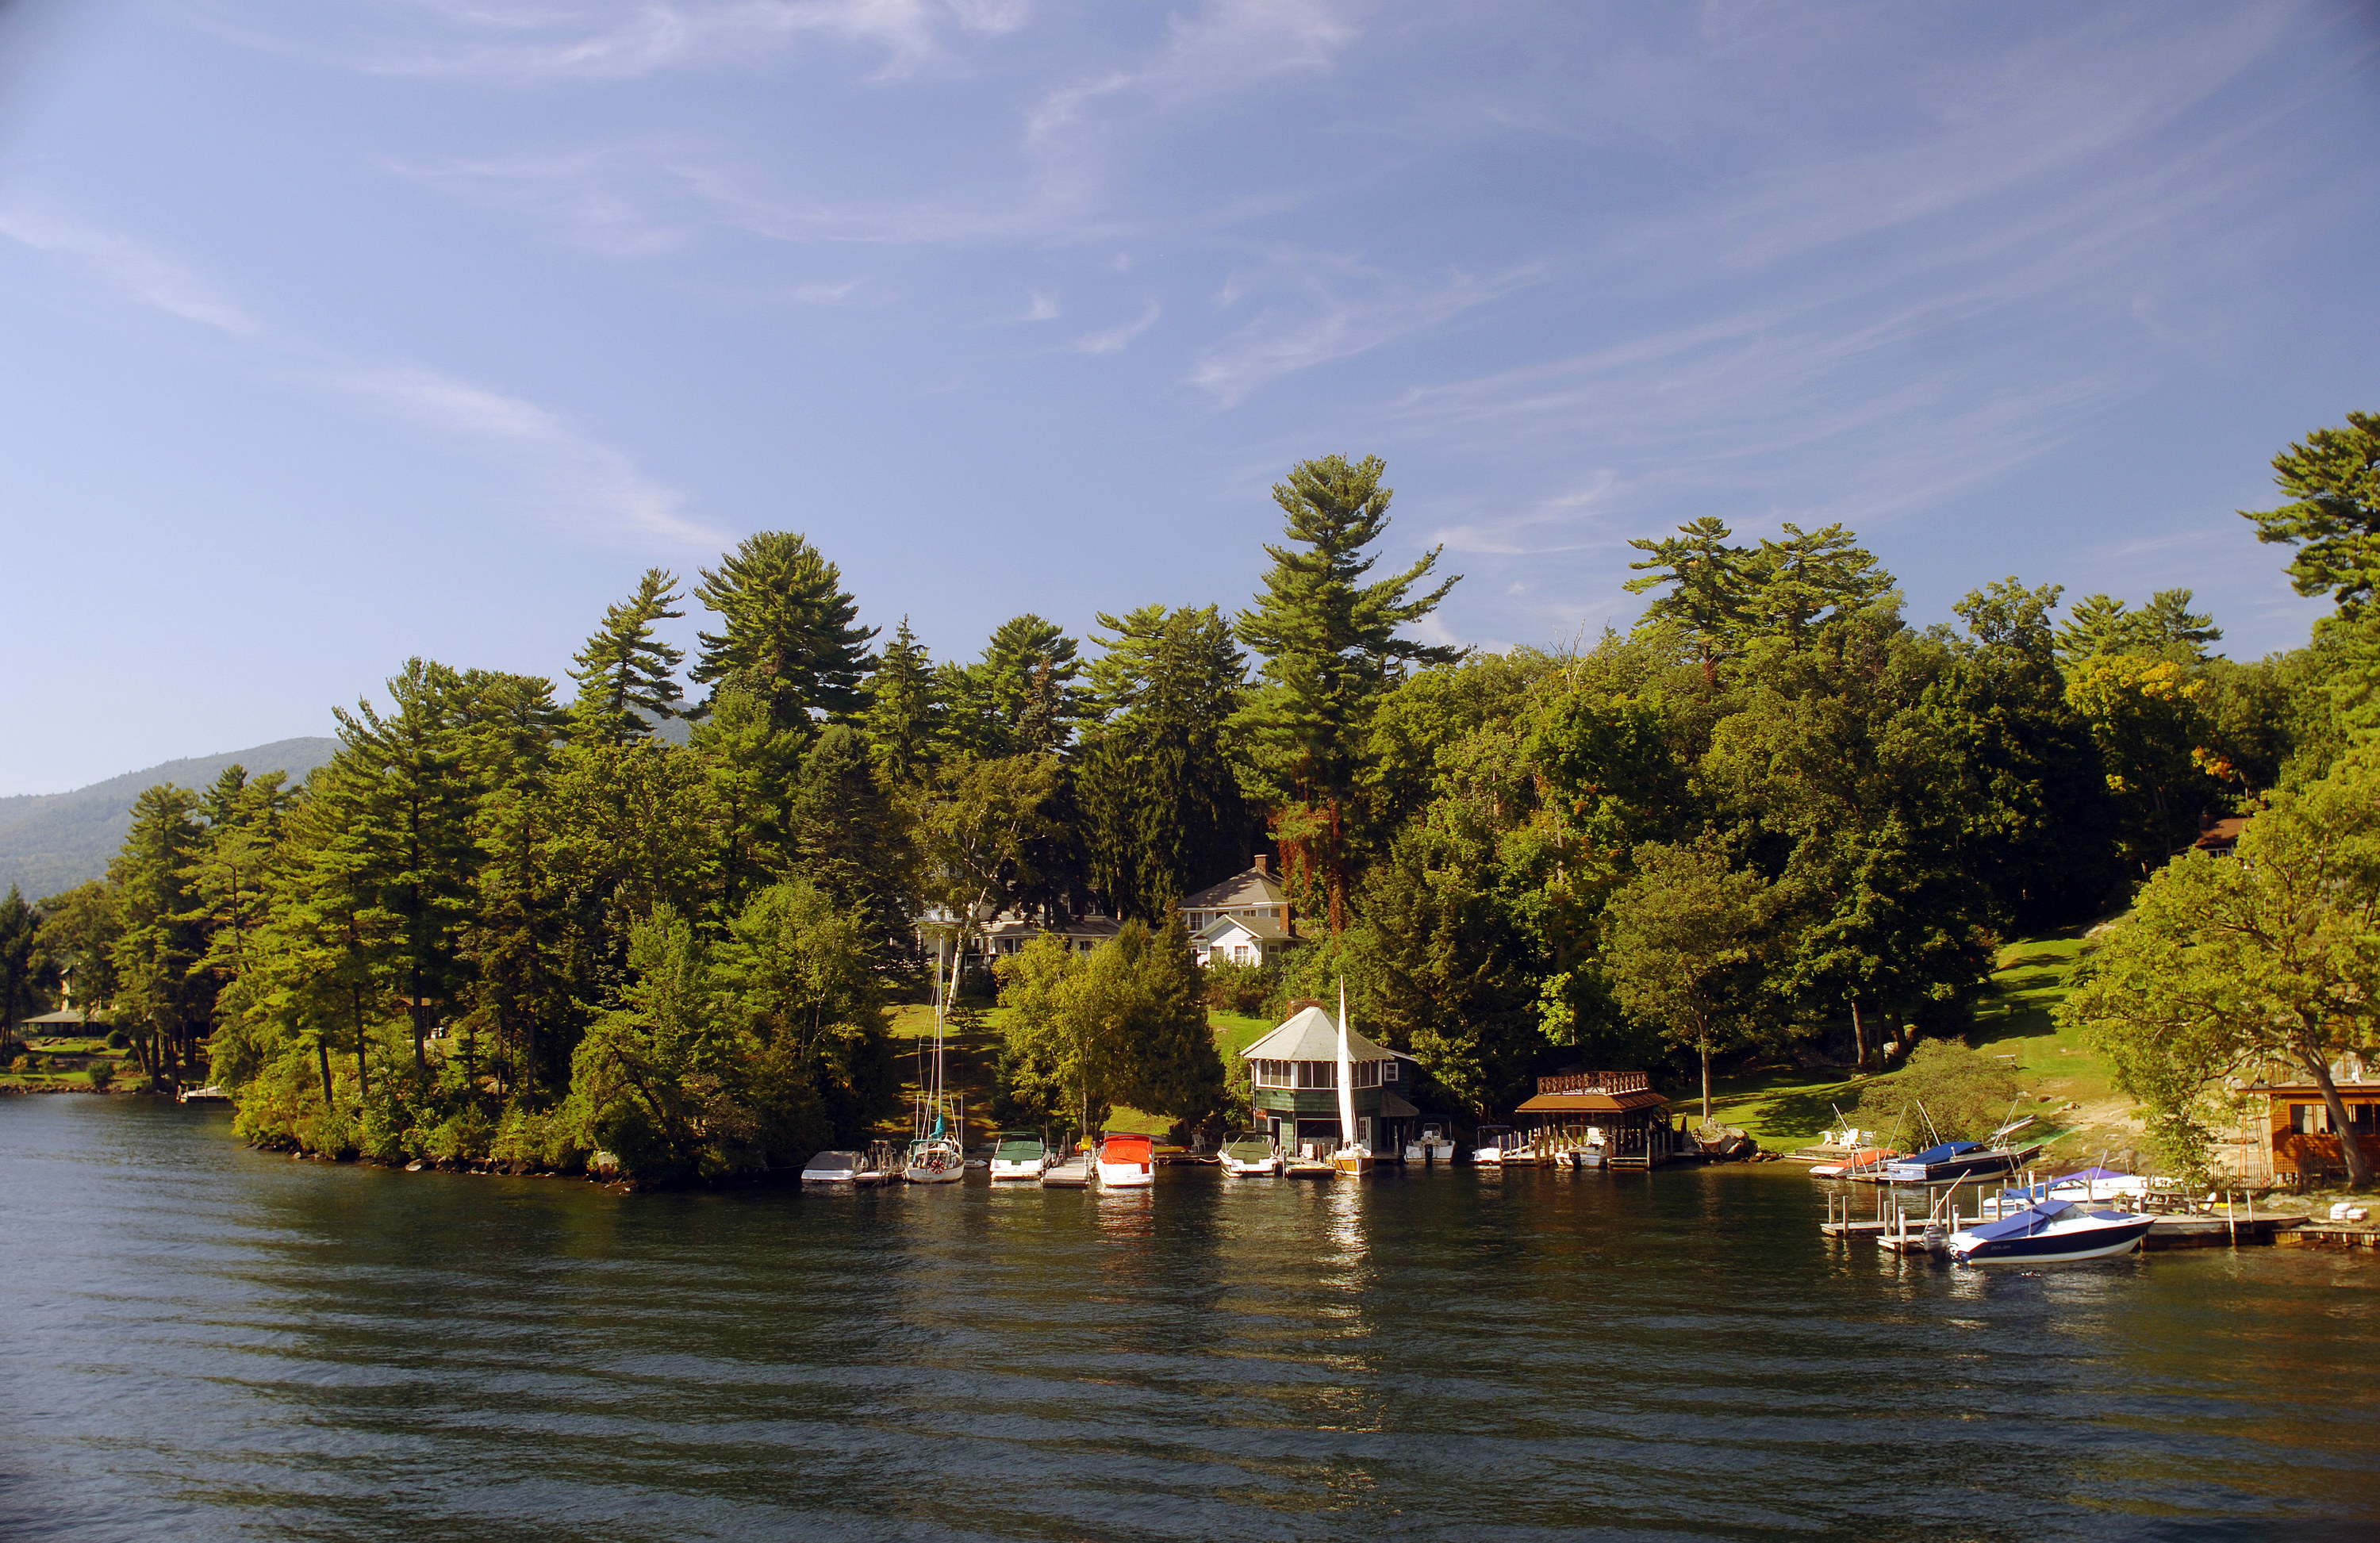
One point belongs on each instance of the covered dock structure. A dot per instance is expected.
(1616, 1113)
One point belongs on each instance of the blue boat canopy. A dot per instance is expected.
(1946, 1151)
(2024, 1223)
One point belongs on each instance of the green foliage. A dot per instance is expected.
(2164, 628)
(627, 677)
(21, 959)
(1160, 811)
(903, 717)
(1946, 1090)
(2333, 518)
(1123, 1024)
(1684, 941)
(1022, 697)
(2230, 964)
(1331, 644)
(788, 639)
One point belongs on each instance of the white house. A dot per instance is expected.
(1242, 921)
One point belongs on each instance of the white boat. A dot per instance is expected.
(834, 1168)
(1018, 1155)
(1127, 1163)
(2051, 1233)
(935, 1160)
(2088, 1186)
(1493, 1144)
(1250, 1157)
(935, 1156)
(1432, 1146)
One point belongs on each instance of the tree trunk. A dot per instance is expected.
(2359, 1167)
(1706, 1098)
(1859, 1038)
(323, 1057)
(363, 1083)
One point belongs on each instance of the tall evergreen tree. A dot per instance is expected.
(167, 998)
(1798, 583)
(1022, 697)
(1161, 808)
(903, 714)
(20, 960)
(849, 838)
(417, 812)
(1331, 646)
(627, 677)
(1710, 583)
(2333, 518)
(789, 634)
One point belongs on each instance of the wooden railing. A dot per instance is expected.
(1595, 1082)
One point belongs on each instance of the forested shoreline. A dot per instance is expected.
(1775, 818)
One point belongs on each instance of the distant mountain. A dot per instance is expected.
(51, 842)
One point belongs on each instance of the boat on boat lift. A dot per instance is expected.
(1493, 1145)
(1018, 1155)
(1432, 1146)
(1127, 1163)
(838, 1168)
(1250, 1157)
(2050, 1232)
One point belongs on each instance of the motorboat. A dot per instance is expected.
(2053, 1231)
(1854, 1163)
(2087, 1186)
(1355, 1160)
(1957, 1160)
(1250, 1157)
(935, 1160)
(1432, 1146)
(1127, 1163)
(1495, 1144)
(834, 1168)
(1018, 1155)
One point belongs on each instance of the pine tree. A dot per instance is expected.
(903, 714)
(20, 960)
(1162, 813)
(627, 677)
(1796, 584)
(789, 636)
(416, 815)
(2333, 481)
(1022, 697)
(848, 839)
(1710, 588)
(1331, 648)
(161, 942)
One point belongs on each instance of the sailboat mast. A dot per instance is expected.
(1346, 1073)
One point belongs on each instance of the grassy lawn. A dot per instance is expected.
(86, 1053)
(2070, 1090)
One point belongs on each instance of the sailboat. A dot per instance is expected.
(935, 1156)
(1352, 1157)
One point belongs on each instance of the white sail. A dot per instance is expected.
(1346, 1075)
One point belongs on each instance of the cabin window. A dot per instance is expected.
(1368, 1075)
(2359, 1117)
(2307, 1119)
(1317, 1073)
(1387, 1070)
(1273, 1074)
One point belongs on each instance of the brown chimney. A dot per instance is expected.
(1262, 864)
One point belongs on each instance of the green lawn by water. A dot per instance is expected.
(1788, 1108)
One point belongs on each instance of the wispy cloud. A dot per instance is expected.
(1112, 339)
(574, 472)
(1330, 308)
(620, 40)
(146, 275)
(588, 483)
(1041, 307)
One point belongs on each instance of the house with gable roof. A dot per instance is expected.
(1294, 1086)
(1241, 921)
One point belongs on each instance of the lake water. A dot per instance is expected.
(202, 1341)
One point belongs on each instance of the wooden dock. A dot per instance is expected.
(1073, 1173)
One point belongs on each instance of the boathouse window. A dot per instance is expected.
(1317, 1073)
(1368, 1075)
(1387, 1070)
(1273, 1074)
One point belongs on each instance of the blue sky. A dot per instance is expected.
(337, 332)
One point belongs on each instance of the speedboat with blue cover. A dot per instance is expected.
(1957, 1160)
(2051, 1233)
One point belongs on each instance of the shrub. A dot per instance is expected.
(101, 1074)
(1965, 1094)
(1241, 989)
(118, 1041)
(463, 1137)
